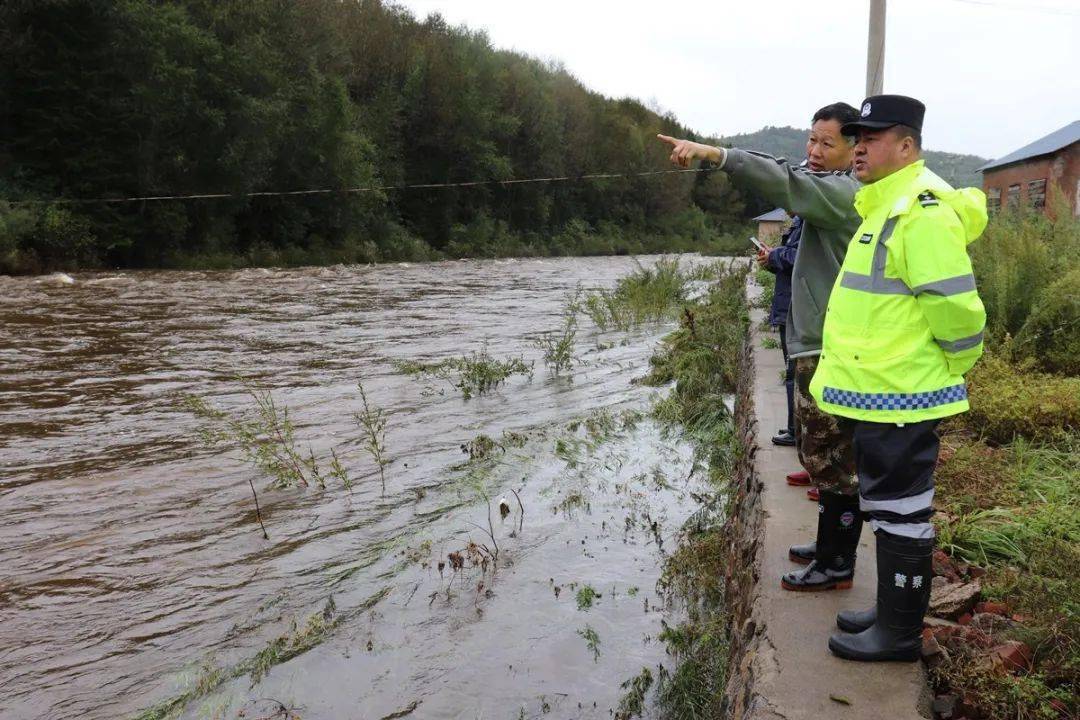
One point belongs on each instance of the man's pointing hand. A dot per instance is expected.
(685, 151)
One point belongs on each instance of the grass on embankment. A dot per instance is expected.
(1008, 484)
(701, 358)
(1008, 499)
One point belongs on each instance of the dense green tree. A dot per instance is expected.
(133, 98)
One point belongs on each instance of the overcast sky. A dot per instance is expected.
(994, 74)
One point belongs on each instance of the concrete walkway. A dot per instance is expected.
(801, 673)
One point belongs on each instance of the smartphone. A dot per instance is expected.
(758, 244)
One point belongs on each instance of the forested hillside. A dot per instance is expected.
(139, 98)
(135, 98)
(959, 170)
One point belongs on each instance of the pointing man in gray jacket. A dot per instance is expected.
(822, 194)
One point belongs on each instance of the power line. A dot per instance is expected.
(1047, 10)
(352, 191)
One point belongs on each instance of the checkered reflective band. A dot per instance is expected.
(895, 401)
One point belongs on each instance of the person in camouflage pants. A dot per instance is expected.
(823, 443)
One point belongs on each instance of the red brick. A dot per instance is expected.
(996, 608)
(1015, 656)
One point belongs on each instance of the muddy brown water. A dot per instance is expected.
(131, 565)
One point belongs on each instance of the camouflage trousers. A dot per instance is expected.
(823, 443)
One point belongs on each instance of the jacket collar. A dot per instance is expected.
(888, 190)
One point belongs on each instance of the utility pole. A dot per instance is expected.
(875, 49)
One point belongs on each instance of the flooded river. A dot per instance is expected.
(132, 567)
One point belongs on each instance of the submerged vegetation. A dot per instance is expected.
(267, 438)
(558, 346)
(646, 295)
(297, 639)
(372, 420)
(474, 374)
(701, 358)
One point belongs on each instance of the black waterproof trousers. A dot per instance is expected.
(895, 465)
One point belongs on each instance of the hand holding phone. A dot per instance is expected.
(762, 247)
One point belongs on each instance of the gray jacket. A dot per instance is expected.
(826, 203)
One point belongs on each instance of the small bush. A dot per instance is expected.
(1010, 399)
(1020, 253)
(1051, 333)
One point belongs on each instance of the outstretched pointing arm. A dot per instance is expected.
(823, 199)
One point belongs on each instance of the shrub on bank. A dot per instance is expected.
(1011, 399)
(1051, 333)
(1020, 254)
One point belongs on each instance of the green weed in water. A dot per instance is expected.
(632, 703)
(646, 295)
(592, 641)
(267, 439)
(372, 420)
(585, 597)
(558, 346)
(474, 374)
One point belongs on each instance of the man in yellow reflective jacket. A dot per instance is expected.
(904, 323)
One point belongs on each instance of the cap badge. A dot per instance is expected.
(865, 109)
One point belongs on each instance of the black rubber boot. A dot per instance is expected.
(803, 554)
(855, 621)
(784, 437)
(833, 564)
(904, 574)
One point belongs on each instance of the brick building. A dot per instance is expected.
(771, 224)
(1023, 176)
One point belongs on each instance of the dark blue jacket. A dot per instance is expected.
(781, 261)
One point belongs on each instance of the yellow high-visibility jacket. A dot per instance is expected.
(904, 321)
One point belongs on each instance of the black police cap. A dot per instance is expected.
(882, 111)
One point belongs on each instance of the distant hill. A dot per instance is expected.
(958, 170)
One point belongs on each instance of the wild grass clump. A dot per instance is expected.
(632, 703)
(372, 420)
(767, 281)
(475, 374)
(695, 689)
(592, 641)
(646, 295)
(701, 357)
(1009, 504)
(267, 437)
(558, 346)
(586, 596)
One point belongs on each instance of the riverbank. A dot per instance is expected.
(481, 241)
(756, 651)
(1003, 633)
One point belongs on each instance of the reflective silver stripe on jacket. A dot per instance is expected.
(878, 284)
(962, 344)
(911, 530)
(948, 286)
(900, 506)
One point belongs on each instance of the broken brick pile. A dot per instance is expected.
(958, 622)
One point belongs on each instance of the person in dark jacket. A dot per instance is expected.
(781, 261)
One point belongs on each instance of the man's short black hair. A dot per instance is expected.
(839, 111)
(902, 131)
